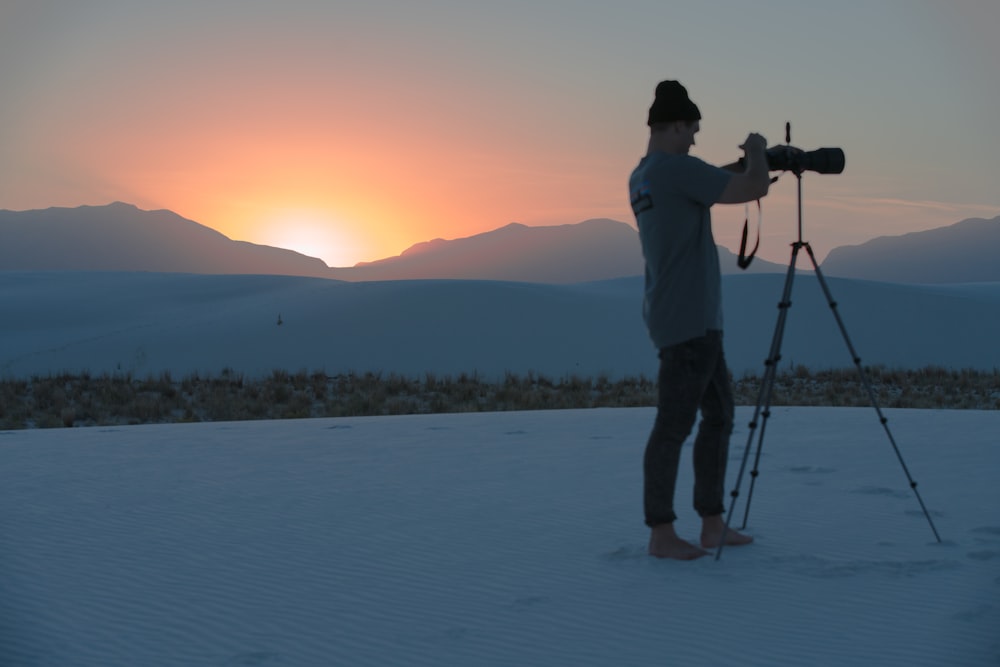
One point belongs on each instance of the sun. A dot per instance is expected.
(314, 234)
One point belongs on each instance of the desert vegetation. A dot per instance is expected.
(116, 399)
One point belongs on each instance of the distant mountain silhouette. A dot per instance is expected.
(597, 249)
(121, 237)
(590, 250)
(964, 252)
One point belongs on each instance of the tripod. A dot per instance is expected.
(771, 369)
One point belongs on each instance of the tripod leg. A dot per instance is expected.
(767, 388)
(868, 387)
(763, 399)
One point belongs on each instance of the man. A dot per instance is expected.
(672, 194)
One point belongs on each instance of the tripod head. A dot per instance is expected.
(797, 161)
(789, 158)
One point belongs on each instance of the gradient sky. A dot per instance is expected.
(352, 130)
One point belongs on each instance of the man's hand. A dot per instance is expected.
(753, 143)
(755, 151)
(753, 181)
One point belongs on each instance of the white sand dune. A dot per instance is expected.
(492, 539)
(147, 323)
(487, 539)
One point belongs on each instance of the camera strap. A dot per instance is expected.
(743, 261)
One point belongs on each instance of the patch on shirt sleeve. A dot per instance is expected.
(642, 200)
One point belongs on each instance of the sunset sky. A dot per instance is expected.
(352, 130)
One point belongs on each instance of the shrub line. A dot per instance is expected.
(65, 400)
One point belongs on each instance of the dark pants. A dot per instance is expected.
(693, 376)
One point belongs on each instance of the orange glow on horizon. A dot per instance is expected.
(305, 150)
(351, 131)
(347, 199)
(343, 188)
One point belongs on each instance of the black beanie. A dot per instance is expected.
(672, 103)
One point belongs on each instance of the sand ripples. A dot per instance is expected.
(496, 539)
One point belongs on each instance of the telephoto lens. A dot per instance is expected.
(790, 158)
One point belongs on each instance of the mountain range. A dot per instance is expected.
(122, 237)
(965, 252)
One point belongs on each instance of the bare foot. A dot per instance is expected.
(664, 543)
(712, 529)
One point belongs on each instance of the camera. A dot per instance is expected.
(790, 158)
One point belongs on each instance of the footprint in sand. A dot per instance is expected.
(627, 553)
(524, 603)
(811, 470)
(257, 658)
(985, 533)
(881, 491)
(821, 568)
(974, 614)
